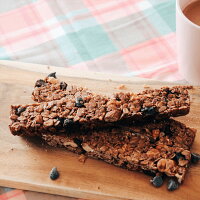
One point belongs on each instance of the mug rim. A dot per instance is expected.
(178, 8)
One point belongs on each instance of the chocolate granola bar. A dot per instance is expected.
(52, 89)
(84, 110)
(154, 147)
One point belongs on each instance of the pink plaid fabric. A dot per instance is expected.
(127, 37)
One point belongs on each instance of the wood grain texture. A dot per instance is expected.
(25, 164)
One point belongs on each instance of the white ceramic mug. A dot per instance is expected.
(188, 44)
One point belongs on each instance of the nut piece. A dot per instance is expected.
(166, 165)
(48, 122)
(52, 80)
(182, 162)
(87, 148)
(13, 117)
(153, 153)
(39, 119)
(162, 109)
(72, 144)
(112, 116)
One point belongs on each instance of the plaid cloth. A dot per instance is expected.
(127, 37)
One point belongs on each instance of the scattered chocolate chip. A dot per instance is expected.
(157, 181)
(148, 111)
(39, 83)
(63, 85)
(79, 102)
(68, 122)
(149, 173)
(54, 174)
(172, 185)
(78, 141)
(52, 75)
(195, 158)
(20, 110)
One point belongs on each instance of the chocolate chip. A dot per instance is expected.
(178, 156)
(52, 75)
(79, 102)
(167, 130)
(172, 185)
(54, 174)
(63, 85)
(149, 173)
(195, 158)
(60, 121)
(20, 110)
(148, 111)
(39, 83)
(68, 122)
(157, 181)
(78, 141)
(152, 140)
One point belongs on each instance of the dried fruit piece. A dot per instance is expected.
(195, 158)
(157, 181)
(39, 83)
(63, 85)
(172, 185)
(112, 116)
(52, 75)
(54, 174)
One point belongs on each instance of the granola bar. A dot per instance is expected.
(156, 147)
(84, 110)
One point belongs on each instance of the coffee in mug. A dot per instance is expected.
(192, 12)
(188, 39)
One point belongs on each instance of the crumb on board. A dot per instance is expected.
(82, 158)
(48, 67)
(146, 86)
(122, 87)
(24, 91)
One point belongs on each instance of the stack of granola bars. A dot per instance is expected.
(132, 131)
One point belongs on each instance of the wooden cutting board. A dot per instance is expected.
(25, 164)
